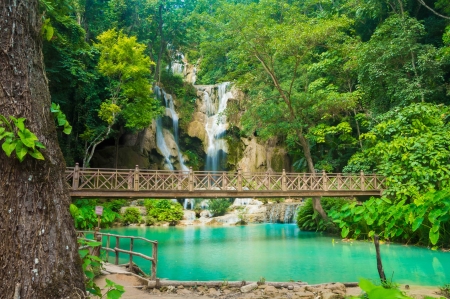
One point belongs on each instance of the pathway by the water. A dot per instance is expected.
(280, 252)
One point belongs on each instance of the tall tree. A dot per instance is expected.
(38, 243)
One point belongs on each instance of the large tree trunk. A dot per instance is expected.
(38, 249)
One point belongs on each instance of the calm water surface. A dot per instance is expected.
(280, 252)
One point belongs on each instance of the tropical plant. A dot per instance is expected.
(131, 215)
(379, 292)
(308, 218)
(83, 213)
(19, 138)
(164, 210)
(91, 266)
(218, 206)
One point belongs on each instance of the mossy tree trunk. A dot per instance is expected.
(38, 248)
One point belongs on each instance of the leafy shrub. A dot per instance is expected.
(131, 215)
(164, 210)
(379, 292)
(149, 220)
(83, 213)
(308, 219)
(218, 206)
(426, 221)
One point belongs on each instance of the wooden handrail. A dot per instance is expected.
(153, 259)
(191, 181)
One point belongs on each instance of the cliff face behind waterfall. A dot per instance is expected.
(207, 138)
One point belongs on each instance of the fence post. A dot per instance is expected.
(155, 260)
(191, 179)
(136, 178)
(283, 180)
(224, 181)
(362, 178)
(130, 180)
(76, 177)
(339, 181)
(131, 255)
(325, 180)
(115, 249)
(239, 180)
(108, 244)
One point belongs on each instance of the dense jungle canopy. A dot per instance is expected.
(346, 86)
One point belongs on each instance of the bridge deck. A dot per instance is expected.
(137, 183)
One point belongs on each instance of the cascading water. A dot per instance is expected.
(160, 141)
(216, 127)
(282, 213)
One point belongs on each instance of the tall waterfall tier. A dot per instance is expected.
(216, 126)
(170, 150)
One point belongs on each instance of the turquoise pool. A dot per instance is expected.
(281, 252)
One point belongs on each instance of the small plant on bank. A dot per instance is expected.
(373, 291)
(261, 281)
(445, 290)
(91, 267)
(131, 215)
(164, 210)
(218, 206)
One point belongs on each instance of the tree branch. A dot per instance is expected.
(432, 10)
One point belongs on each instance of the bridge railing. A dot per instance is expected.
(83, 235)
(140, 180)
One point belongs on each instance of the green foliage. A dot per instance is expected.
(218, 206)
(60, 118)
(19, 138)
(83, 213)
(309, 220)
(410, 146)
(424, 221)
(379, 292)
(445, 290)
(124, 63)
(164, 210)
(131, 215)
(395, 68)
(91, 265)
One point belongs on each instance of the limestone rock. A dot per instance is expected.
(270, 289)
(336, 286)
(213, 292)
(329, 295)
(249, 287)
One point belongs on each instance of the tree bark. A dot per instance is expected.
(39, 253)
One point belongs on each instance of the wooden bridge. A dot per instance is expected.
(139, 183)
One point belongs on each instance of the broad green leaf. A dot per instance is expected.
(67, 129)
(345, 231)
(27, 137)
(19, 122)
(417, 223)
(39, 144)
(8, 147)
(114, 294)
(434, 237)
(36, 154)
(21, 150)
(49, 32)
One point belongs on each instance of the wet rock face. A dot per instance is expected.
(281, 212)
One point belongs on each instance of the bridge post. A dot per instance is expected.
(239, 180)
(191, 179)
(283, 181)
(76, 177)
(325, 180)
(363, 183)
(136, 178)
(224, 181)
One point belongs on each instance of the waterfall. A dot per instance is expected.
(189, 201)
(160, 141)
(216, 127)
(282, 213)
